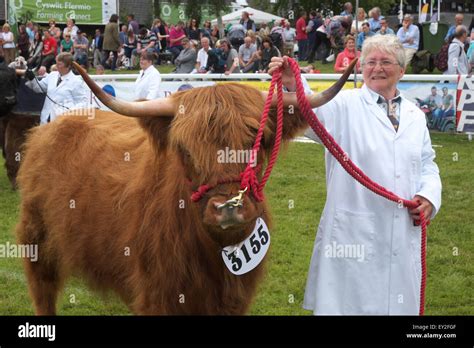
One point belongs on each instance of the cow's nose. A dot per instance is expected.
(228, 215)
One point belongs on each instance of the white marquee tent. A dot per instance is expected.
(256, 15)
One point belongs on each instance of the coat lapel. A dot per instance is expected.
(407, 116)
(375, 109)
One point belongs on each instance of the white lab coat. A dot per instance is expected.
(386, 281)
(147, 85)
(71, 93)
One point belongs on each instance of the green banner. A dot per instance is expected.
(172, 14)
(83, 11)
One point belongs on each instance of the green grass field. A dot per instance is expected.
(299, 176)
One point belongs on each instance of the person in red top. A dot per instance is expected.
(176, 35)
(50, 47)
(301, 36)
(347, 56)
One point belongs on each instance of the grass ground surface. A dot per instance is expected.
(299, 176)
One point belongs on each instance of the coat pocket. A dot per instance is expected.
(352, 235)
(356, 263)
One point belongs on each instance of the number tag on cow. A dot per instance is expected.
(245, 256)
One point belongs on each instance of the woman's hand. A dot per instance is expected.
(425, 206)
(288, 78)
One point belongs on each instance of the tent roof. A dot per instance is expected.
(256, 15)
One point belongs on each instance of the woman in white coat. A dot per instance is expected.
(65, 91)
(366, 258)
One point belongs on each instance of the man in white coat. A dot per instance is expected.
(147, 85)
(65, 91)
(366, 258)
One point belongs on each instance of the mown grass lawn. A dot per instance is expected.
(299, 179)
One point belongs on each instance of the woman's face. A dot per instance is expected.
(266, 44)
(350, 45)
(6, 30)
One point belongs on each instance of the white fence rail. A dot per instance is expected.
(266, 77)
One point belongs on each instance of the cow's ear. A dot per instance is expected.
(158, 129)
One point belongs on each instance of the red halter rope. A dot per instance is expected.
(249, 179)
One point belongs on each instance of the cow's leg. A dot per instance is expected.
(44, 275)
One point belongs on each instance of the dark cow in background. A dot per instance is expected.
(109, 199)
(19, 111)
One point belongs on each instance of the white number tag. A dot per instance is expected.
(245, 256)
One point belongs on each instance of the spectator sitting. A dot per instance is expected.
(36, 50)
(345, 58)
(374, 21)
(147, 85)
(268, 52)
(99, 70)
(176, 35)
(206, 30)
(67, 44)
(361, 19)
(264, 31)
(123, 34)
(186, 60)
(57, 35)
(384, 28)
(276, 35)
(363, 35)
(146, 42)
(130, 45)
(81, 48)
(231, 57)
(409, 36)
(236, 35)
(245, 54)
(458, 20)
(256, 40)
(49, 50)
(71, 29)
(192, 31)
(202, 56)
(457, 59)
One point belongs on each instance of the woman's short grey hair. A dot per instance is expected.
(389, 44)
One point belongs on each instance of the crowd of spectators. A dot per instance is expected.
(244, 47)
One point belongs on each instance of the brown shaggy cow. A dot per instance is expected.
(109, 199)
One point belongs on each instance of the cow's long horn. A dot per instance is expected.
(149, 108)
(320, 98)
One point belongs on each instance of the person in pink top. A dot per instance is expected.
(301, 36)
(347, 56)
(176, 35)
